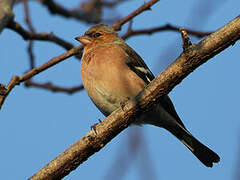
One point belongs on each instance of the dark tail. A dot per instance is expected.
(203, 153)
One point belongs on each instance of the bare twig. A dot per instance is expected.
(53, 88)
(117, 26)
(6, 90)
(27, 16)
(185, 39)
(120, 119)
(32, 30)
(16, 80)
(38, 36)
(47, 86)
(112, 3)
(89, 11)
(53, 61)
(167, 27)
(80, 14)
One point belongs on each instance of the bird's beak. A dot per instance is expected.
(83, 39)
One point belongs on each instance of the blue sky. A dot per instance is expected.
(37, 125)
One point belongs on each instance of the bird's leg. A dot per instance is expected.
(93, 127)
(122, 104)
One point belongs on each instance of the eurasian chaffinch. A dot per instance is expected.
(112, 72)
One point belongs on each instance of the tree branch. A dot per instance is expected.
(187, 62)
(16, 80)
(15, 26)
(111, 4)
(167, 27)
(53, 88)
(32, 30)
(91, 14)
(147, 6)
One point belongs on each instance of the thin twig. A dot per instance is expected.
(53, 88)
(37, 70)
(185, 39)
(147, 6)
(167, 27)
(89, 11)
(15, 26)
(78, 14)
(27, 16)
(112, 3)
(14, 81)
(32, 30)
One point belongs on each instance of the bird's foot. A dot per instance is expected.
(123, 103)
(94, 126)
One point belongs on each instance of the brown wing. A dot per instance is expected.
(137, 65)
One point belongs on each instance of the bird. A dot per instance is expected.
(112, 73)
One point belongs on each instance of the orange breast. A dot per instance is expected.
(107, 79)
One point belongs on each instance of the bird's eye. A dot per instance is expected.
(97, 35)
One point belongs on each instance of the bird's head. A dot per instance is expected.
(98, 34)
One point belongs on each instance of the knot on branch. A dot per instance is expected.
(185, 39)
(3, 90)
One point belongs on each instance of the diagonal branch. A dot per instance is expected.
(97, 138)
(147, 6)
(16, 80)
(15, 26)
